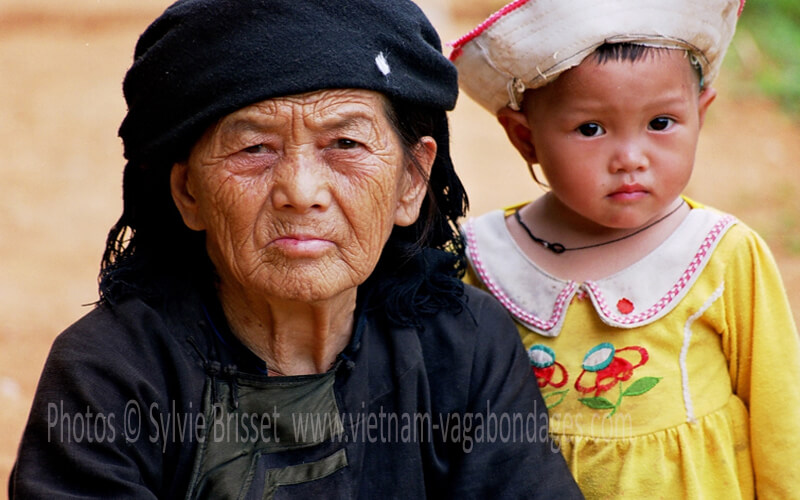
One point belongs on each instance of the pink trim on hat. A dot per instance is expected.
(485, 25)
(507, 9)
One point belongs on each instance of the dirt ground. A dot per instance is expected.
(61, 67)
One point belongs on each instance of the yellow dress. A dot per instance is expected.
(676, 378)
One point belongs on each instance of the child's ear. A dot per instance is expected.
(518, 130)
(707, 96)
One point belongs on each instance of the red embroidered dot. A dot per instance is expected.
(625, 306)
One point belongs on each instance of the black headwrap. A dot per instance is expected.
(204, 59)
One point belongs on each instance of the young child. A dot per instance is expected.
(658, 328)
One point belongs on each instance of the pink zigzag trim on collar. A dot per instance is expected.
(566, 293)
(694, 266)
(508, 303)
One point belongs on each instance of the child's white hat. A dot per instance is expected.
(528, 43)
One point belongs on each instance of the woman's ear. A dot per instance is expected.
(518, 130)
(415, 185)
(183, 198)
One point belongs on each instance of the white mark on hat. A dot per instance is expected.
(383, 64)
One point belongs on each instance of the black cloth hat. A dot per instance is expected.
(203, 59)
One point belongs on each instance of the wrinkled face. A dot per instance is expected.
(298, 195)
(616, 141)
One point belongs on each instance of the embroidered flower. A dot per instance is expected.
(548, 371)
(607, 367)
(545, 366)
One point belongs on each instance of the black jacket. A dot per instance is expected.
(143, 400)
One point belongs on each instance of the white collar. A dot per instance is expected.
(635, 296)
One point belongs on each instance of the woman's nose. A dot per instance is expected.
(629, 156)
(300, 185)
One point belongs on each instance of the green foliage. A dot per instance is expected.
(767, 49)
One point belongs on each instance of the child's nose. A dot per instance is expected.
(629, 156)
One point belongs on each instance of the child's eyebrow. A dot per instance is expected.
(671, 99)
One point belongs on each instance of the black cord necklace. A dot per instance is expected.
(559, 248)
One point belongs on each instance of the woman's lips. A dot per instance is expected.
(302, 245)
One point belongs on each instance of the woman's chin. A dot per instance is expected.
(303, 283)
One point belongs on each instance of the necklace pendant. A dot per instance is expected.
(556, 248)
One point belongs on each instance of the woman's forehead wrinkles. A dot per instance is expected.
(339, 109)
(344, 110)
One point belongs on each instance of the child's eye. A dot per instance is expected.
(590, 130)
(661, 123)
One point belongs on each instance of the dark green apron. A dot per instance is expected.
(267, 435)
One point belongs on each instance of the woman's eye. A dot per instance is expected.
(590, 130)
(661, 123)
(346, 144)
(256, 149)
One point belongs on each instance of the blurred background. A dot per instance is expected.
(61, 68)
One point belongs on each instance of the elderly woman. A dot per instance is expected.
(281, 313)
